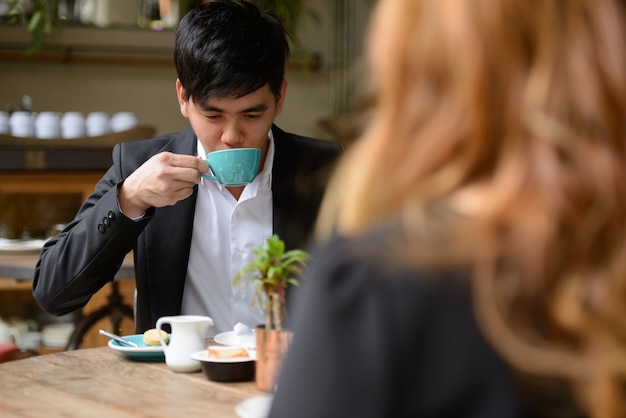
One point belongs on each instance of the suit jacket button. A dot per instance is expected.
(102, 228)
(111, 215)
(106, 221)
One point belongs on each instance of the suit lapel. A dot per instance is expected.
(282, 171)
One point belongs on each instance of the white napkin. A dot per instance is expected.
(244, 335)
(255, 407)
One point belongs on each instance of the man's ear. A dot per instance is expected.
(183, 100)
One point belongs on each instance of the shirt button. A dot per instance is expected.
(106, 221)
(102, 228)
(111, 215)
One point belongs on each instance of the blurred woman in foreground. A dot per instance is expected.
(476, 254)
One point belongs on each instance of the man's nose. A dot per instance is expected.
(232, 135)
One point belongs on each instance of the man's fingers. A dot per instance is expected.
(170, 167)
(186, 161)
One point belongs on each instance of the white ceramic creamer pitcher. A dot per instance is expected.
(187, 338)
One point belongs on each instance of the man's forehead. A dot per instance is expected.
(260, 99)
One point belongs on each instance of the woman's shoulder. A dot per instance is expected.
(383, 252)
(421, 317)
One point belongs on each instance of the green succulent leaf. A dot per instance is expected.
(273, 270)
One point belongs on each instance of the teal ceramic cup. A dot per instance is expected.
(233, 167)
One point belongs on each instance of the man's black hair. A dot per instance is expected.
(229, 48)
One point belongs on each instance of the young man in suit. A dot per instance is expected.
(189, 235)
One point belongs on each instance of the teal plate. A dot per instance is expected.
(143, 353)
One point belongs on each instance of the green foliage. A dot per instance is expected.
(38, 16)
(290, 13)
(273, 269)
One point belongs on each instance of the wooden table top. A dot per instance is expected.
(101, 382)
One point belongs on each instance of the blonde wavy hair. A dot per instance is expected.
(498, 142)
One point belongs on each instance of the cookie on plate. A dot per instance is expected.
(151, 337)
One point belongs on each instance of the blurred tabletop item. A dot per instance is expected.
(8, 351)
(21, 266)
(102, 382)
(19, 269)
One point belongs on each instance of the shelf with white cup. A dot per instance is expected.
(84, 153)
(98, 141)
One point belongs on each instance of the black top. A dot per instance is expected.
(375, 339)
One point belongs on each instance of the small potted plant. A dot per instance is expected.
(272, 270)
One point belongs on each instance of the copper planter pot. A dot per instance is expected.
(271, 347)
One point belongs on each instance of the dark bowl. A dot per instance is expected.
(226, 370)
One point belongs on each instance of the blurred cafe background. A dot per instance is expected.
(78, 76)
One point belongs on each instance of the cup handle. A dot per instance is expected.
(208, 177)
(159, 326)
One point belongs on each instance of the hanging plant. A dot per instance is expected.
(38, 16)
(41, 17)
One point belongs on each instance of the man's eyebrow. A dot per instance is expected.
(252, 109)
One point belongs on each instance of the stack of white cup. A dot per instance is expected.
(97, 124)
(123, 121)
(73, 125)
(47, 125)
(50, 125)
(21, 124)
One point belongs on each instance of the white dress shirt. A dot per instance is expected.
(224, 232)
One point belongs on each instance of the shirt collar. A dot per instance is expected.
(265, 176)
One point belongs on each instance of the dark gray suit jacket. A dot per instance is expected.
(87, 254)
(376, 337)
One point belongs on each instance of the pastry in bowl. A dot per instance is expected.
(227, 363)
(219, 351)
